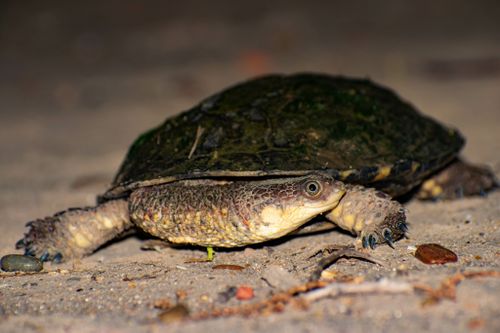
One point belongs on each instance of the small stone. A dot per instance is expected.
(20, 263)
(181, 294)
(175, 314)
(435, 254)
(163, 304)
(225, 296)
(244, 293)
(329, 275)
(402, 269)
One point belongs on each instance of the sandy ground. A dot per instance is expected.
(79, 83)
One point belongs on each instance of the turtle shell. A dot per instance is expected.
(281, 125)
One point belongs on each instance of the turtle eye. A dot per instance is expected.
(313, 188)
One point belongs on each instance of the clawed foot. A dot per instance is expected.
(388, 234)
(35, 242)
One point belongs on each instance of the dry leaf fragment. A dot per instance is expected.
(435, 254)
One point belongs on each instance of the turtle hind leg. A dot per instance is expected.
(457, 180)
(75, 232)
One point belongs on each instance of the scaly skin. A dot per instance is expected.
(200, 212)
(229, 214)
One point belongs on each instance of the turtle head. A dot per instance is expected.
(294, 201)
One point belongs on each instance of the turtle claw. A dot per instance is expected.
(373, 241)
(369, 241)
(403, 227)
(365, 242)
(388, 237)
(45, 256)
(57, 258)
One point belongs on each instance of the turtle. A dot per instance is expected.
(260, 159)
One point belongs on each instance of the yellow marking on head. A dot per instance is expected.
(346, 173)
(272, 215)
(414, 166)
(81, 240)
(277, 222)
(383, 172)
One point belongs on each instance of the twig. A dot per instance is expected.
(336, 289)
(199, 132)
(341, 252)
(448, 287)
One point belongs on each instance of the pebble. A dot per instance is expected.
(434, 254)
(244, 293)
(20, 263)
(176, 313)
(225, 296)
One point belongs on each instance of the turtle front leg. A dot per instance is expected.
(371, 215)
(457, 180)
(75, 232)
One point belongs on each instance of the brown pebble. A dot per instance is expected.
(175, 314)
(229, 267)
(434, 254)
(244, 293)
(475, 323)
(163, 304)
(181, 294)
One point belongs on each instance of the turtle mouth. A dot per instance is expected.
(310, 208)
(281, 220)
(328, 200)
